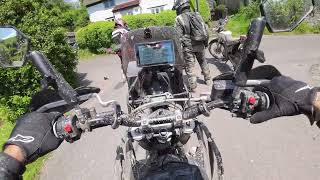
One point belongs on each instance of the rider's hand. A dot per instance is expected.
(290, 98)
(33, 134)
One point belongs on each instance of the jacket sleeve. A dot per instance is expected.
(10, 168)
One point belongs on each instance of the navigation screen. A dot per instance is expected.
(155, 53)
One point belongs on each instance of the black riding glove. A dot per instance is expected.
(289, 98)
(33, 134)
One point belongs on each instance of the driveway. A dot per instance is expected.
(284, 148)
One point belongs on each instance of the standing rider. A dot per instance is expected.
(194, 38)
(120, 28)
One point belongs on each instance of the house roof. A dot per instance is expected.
(90, 2)
(126, 5)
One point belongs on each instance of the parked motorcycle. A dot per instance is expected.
(162, 114)
(225, 48)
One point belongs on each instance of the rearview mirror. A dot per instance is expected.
(285, 15)
(14, 47)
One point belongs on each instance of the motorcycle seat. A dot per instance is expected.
(228, 39)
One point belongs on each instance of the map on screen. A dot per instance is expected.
(155, 53)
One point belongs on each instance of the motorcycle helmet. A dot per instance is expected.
(180, 5)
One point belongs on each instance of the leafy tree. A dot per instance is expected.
(75, 18)
(43, 21)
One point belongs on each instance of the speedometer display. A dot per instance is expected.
(155, 53)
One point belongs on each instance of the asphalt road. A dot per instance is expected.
(284, 148)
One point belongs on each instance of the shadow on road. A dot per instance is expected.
(222, 67)
(119, 85)
(82, 81)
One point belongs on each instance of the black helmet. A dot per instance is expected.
(181, 4)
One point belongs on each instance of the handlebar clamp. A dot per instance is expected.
(65, 128)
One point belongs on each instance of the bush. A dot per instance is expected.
(204, 9)
(239, 23)
(97, 35)
(141, 20)
(165, 18)
(42, 21)
(251, 11)
(316, 28)
(304, 27)
(75, 19)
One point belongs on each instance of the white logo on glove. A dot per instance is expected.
(304, 88)
(21, 138)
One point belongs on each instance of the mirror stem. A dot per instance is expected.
(251, 47)
(54, 78)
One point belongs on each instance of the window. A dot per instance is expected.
(156, 10)
(108, 3)
(110, 19)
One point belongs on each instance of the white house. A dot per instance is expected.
(102, 10)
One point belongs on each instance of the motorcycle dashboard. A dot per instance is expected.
(155, 53)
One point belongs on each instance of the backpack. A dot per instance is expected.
(199, 31)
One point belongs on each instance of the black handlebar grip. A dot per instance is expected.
(191, 112)
(107, 121)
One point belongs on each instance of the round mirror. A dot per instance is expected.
(13, 47)
(285, 15)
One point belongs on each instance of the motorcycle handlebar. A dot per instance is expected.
(70, 128)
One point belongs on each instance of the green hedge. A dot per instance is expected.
(165, 18)
(239, 23)
(97, 36)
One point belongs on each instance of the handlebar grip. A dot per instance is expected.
(191, 112)
(199, 109)
(106, 121)
(126, 121)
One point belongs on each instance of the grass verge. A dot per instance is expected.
(85, 54)
(33, 169)
(239, 24)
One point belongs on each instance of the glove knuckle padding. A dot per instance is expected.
(290, 98)
(33, 134)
